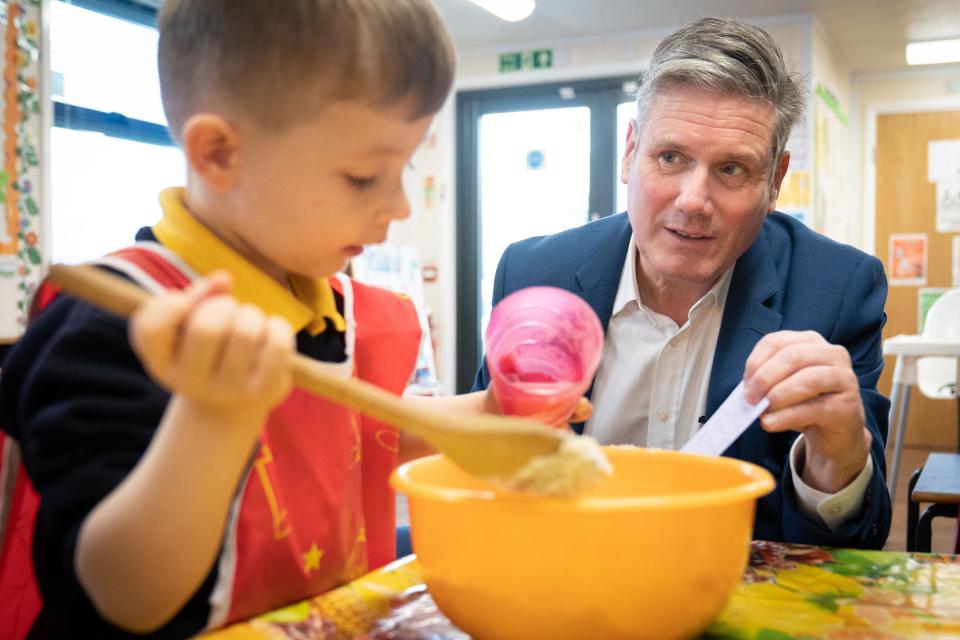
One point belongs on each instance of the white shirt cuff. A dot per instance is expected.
(833, 508)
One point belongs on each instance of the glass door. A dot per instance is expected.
(531, 161)
(534, 180)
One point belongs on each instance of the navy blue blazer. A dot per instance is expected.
(789, 278)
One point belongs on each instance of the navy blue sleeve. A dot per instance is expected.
(75, 396)
(858, 327)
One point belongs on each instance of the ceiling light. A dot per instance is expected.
(509, 10)
(933, 52)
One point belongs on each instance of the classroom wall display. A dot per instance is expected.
(908, 259)
(831, 209)
(943, 160)
(794, 196)
(948, 207)
(21, 131)
(926, 296)
(397, 268)
(943, 169)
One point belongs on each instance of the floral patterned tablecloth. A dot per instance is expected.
(788, 592)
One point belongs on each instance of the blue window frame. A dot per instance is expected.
(110, 151)
(111, 123)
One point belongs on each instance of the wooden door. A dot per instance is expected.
(906, 203)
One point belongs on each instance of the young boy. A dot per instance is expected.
(221, 493)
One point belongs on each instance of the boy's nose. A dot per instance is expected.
(694, 196)
(399, 207)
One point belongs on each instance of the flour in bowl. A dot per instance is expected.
(576, 466)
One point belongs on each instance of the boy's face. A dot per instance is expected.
(307, 198)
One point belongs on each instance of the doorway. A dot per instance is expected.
(906, 204)
(530, 161)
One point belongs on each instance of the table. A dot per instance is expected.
(788, 592)
(939, 484)
(908, 349)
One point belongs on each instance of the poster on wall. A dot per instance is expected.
(21, 128)
(926, 296)
(943, 161)
(907, 259)
(948, 207)
(830, 167)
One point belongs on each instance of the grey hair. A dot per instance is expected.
(731, 57)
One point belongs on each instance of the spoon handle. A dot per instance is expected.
(482, 444)
(121, 297)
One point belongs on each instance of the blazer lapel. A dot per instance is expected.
(746, 318)
(598, 277)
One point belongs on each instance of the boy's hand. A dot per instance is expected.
(220, 355)
(581, 412)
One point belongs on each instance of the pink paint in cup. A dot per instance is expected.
(543, 347)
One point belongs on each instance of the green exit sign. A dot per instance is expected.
(523, 60)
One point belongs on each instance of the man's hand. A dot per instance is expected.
(812, 388)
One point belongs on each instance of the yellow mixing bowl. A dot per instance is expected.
(653, 552)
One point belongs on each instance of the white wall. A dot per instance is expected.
(831, 167)
(433, 229)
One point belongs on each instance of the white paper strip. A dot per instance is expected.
(943, 160)
(730, 420)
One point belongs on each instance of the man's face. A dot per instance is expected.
(699, 184)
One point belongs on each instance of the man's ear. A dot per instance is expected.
(629, 153)
(210, 145)
(778, 174)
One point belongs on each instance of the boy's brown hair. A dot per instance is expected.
(280, 60)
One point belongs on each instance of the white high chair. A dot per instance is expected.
(931, 362)
(937, 377)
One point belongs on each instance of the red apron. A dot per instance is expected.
(314, 509)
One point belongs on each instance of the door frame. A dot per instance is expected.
(471, 105)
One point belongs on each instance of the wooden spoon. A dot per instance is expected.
(484, 445)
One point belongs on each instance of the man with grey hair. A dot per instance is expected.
(702, 285)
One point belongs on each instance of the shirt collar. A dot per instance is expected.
(627, 290)
(310, 304)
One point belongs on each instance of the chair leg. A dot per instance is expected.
(913, 512)
(924, 528)
(898, 417)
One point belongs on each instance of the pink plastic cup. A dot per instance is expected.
(543, 347)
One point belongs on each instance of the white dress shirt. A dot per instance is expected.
(651, 386)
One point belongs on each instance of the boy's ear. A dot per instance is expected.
(210, 145)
